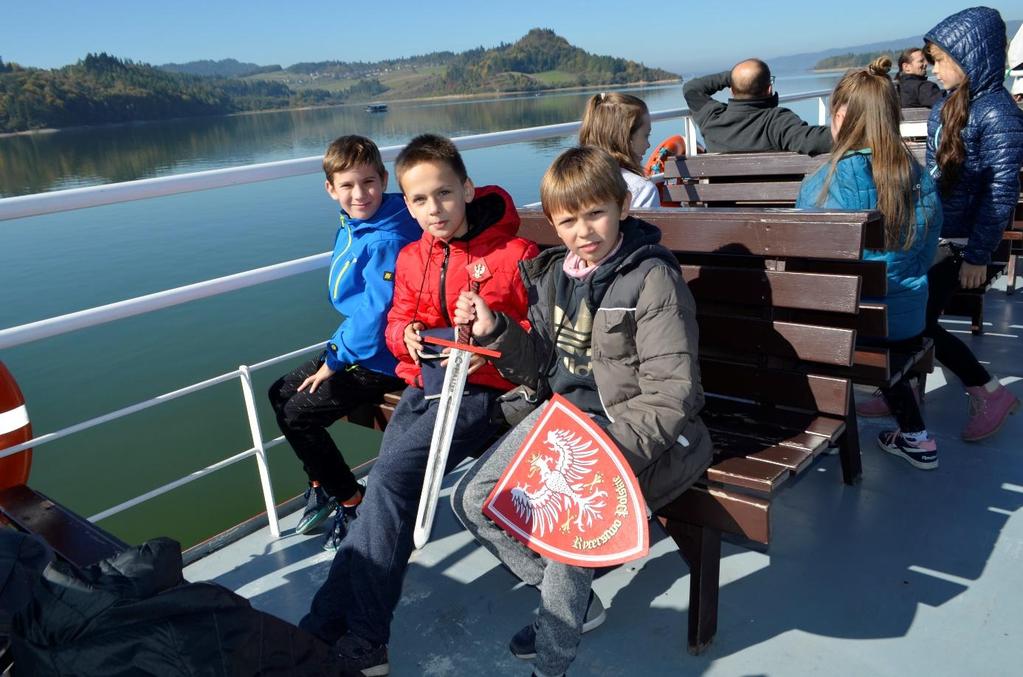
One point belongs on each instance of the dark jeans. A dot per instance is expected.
(942, 283)
(365, 579)
(304, 417)
(901, 401)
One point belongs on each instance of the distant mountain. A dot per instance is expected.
(225, 68)
(803, 62)
(539, 60)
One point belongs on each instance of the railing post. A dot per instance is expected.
(690, 136)
(257, 443)
(822, 109)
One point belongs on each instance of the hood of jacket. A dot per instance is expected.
(975, 38)
(757, 103)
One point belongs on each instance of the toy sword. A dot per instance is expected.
(447, 411)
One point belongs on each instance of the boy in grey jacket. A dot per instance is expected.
(613, 331)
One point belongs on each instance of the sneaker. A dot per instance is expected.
(988, 411)
(523, 644)
(875, 407)
(342, 520)
(356, 655)
(317, 507)
(923, 454)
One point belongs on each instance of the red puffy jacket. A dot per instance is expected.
(493, 222)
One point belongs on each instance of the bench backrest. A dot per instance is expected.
(778, 296)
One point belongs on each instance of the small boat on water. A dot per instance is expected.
(376, 108)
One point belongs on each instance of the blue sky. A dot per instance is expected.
(701, 35)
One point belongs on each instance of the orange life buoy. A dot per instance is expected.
(670, 147)
(673, 145)
(14, 429)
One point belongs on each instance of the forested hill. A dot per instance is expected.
(540, 60)
(104, 89)
(853, 60)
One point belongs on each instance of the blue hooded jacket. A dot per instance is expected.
(981, 203)
(852, 187)
(360, 284)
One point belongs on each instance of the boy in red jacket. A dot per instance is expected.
(461, 224)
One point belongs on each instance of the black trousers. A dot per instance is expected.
(942, 283)
(304, 417)
(900, 398)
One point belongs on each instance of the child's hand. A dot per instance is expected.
(413, 341)
(313, 382)
(471, 308)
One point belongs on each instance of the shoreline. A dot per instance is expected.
(424, 99)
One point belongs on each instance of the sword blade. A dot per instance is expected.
(440, 444)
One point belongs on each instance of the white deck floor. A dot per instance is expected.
(910, 572)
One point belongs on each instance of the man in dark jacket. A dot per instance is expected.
(752, 119)
(915, 90)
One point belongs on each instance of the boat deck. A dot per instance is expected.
(910, 572)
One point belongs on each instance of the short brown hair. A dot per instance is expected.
(430, 148)
(346, 152)
(581, 177)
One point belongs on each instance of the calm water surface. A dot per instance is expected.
(61, 263)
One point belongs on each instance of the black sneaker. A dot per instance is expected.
(523, 644)
(923, 454)
(317, 507)
(342, 519)
(354, 654)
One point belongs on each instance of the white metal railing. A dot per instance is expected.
(94, 196)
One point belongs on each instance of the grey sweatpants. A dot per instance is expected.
(564, 590)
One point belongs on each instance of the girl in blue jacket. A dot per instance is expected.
(871, 168)
(974, 152)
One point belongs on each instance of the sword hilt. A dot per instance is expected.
(465, 330)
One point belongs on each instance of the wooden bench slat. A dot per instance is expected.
(825, 345)
(749, 473)
(810, 291)
(723, 510)
(782, 192)
(74, 538)
(811, 392)
(725, 413)
(873, 274)
(871, 320)
(741, 164)
(777, 233)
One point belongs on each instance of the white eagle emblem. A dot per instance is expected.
(479, 270)
(561, 487)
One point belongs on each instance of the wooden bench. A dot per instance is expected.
(778, 295)
(772, 180)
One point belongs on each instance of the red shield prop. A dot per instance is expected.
(569, 494)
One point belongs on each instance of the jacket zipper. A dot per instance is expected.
(337, 280)
(443, 283)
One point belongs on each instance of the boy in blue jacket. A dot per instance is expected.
(356, 367)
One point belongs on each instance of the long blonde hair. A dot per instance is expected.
(609, 122)
(872, 121)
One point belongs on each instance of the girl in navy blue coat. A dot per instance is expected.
(871, 168)
(974, 151)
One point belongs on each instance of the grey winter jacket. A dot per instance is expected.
(644, 359)
(983, 200)
(750, 125)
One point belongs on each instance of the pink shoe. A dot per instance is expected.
(988, 411)
(875, 407)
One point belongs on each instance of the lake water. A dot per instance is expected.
(60, 263)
